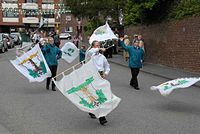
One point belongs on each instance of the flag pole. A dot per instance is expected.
(71, 67)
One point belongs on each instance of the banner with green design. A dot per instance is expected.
(167, 87)
(32, 65)
(69, 52)
(85, 88)
(102, 33)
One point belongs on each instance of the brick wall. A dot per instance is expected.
(175, 43)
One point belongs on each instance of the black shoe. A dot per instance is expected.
(103, 120)
(47, 87)
(132, 85)
(137, 88)
(92, 116)
(53, 89)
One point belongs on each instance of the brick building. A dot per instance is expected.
(16, 15)
(174, 43)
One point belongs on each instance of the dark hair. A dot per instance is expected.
(94, 42)
(136, 41)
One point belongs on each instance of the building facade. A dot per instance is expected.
(16, 15)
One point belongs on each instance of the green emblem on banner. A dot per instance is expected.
(69, 51)
(168, 86)
(93, 101)
(100, 31)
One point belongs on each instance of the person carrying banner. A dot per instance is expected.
(51, 53)
(102, 66)
(135, 60)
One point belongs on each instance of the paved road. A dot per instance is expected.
(28, 108)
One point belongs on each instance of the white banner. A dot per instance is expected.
(26, 46)
(167, 87)
(69, 52)
(102, 33)
(86, 89)
(32, 65)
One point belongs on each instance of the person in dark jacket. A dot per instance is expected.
(56, 40)
(82, 53)
(51, 53)
(135, 60)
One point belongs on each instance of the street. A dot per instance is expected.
(28, 108)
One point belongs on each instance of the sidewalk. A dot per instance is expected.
(158, 70)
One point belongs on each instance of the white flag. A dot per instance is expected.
(26, 46)
(86, 89)
(167, 87)
(69, 52)
(32, 65)
(41, 22)
(102, 33)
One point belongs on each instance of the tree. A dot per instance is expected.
(96, 11)
(135, 10)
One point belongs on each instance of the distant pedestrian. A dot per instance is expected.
(76, 41)
(36, 37)
(127, 42)
(135, 37)
(109, 49)
(82, 53)
(56, 39)
(51, 53)
(141, 42)
(135, 61)
(125, 53)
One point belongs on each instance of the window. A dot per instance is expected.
(31, 1)
(9, 1)
(69, 29)
(11, 14)
(48, 15)
(68, 18)
(31, 13)
(47, 1)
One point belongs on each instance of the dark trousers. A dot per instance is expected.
(57, 44)
(134, 81)
(53, 72)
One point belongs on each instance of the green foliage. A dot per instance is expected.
(91, 26)
(186, 8)
(134, 10)
(154, 11)
(95, 11)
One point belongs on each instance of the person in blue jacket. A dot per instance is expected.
(82, 53)
(51, 53)
(136, 55)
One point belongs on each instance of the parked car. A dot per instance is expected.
(65, 36)
(16, 38)
(3, 44)
(10, 41)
